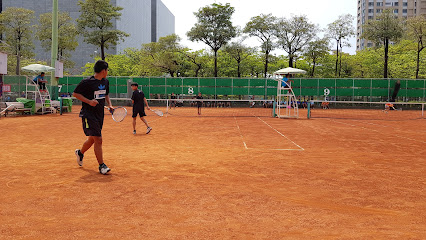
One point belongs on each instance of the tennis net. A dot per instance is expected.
(208, 107)
(367, 110)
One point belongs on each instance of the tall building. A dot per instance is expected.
(369, 9)
(145, 20)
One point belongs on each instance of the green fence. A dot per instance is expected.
(339, 89)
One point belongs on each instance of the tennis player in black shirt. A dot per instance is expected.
(199, 103)
(173, 101)
(93, 92)
(138, 100)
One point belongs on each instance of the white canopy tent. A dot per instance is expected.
(289, 70)
(38, 68)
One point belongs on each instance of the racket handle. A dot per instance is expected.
(111, 110)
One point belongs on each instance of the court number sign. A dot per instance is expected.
(326, 91)
(7, 88)
(190, 90)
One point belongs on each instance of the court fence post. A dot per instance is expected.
(309, 110)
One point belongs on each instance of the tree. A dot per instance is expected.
(213, 27)
(162, 55)
(417, 31)
(263, 27)
(15, 24)
(95, 24)
(196, 58)
(386, 28)
(403, 61)
(315, 50)
(340, 30)
(293, 34)
(67, 34)
(239, 52)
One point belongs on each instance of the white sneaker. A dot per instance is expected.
(148, 130)
(80, 157)
(104, 169)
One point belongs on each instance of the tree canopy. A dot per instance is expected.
(384, 29)
(213, 27)
(263, 27)
(67, 35)
(15, 23)
(294, 34)
(96, 26)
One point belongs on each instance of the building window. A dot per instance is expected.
(404, 10)
(379, 4)
(405, 4)
(395, 4)
(370, 17)
(379, 10)
(371, 4)
(395, 11)
(370, 10)
(369, 44)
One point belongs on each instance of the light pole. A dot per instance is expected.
(54, 49)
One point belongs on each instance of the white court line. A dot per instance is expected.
(369, 129)
(267, 149)
(282, 136)
(239, 130)
(382, 125)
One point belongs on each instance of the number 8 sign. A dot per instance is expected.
(190, 90)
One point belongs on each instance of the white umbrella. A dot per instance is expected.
(289, 70)
(38, 68)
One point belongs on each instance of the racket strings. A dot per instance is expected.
(119, 114)
(158, 112)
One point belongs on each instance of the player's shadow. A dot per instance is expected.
(94, 176)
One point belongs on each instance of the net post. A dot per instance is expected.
(167, 106)
(309, 110)
(273, 109)
(423, 110)
(60, 105)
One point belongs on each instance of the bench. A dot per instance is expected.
(57, 104)
(17, 107)
(3, 107)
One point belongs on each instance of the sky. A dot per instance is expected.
(321, 12)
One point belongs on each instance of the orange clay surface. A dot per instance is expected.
(214, 178)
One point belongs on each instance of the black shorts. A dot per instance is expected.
(92, 127)
(137, 111)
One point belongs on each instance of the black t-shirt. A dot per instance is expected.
(138, 97)
(199, 102)
(91, 88)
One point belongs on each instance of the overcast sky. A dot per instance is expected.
(321, 12)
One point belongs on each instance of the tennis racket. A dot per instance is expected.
(118, 113)
(158, 112)
(8, 108)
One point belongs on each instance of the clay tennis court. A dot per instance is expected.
(214, 178)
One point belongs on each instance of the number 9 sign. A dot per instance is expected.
(326, 91)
